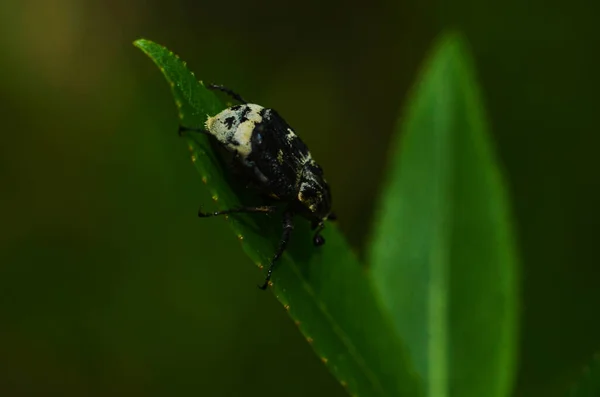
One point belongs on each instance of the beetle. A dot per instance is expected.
(276, 162)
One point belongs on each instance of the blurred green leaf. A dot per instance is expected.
(589, 384)
(325, 289)
(442, 254)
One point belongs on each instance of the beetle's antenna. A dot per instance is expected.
(226, 90)
(183, 129)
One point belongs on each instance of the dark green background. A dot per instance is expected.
(109, 284)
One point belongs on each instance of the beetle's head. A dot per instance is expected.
(315, 197)
(314, 193)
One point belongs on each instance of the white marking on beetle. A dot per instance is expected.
(290, 136)
(235, 134)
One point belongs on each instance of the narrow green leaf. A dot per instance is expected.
(442, 254)
(324, 289)
(589, 383)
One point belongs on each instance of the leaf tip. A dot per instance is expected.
(142, 43)
(454, 43)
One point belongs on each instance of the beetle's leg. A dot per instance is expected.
(265, 209)
(233, 163)
(226, 90)
(182, 130)
(288, 226)
(318, 239)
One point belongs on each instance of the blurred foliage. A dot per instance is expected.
(442, 255)
(109, 284)
(589, 383)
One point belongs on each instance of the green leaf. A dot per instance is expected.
(442, 255)
(589, 384)
(324, 289)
